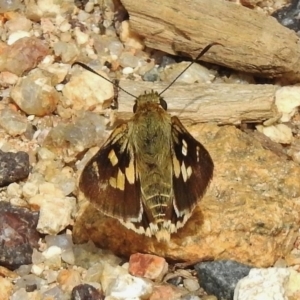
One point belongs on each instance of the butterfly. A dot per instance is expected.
(150, 173)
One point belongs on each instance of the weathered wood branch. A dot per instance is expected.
(221, 103)
(252, 42)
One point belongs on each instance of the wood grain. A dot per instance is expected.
(252, 42)
(221, 103)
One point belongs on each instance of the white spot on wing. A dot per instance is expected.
(184, 148)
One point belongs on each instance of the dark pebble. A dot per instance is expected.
(219, 278)
(13, 167)
(288, 16)
(18, 235)
(86, 292)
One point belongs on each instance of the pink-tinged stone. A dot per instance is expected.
(148, 266)
(23, 55)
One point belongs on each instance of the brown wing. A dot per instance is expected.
(192, 170)
(110, 181)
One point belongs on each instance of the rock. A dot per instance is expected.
(35, 94)
(8, 5)
(13, 167)
(87, 131)
(279, 133)
(287, 101)
(86, 291)
(19, 22)
(18, 235)
(68, 279)
(191, 284)
(267, 284)
(220, 277)
(67, 51)
(166, 292)
(148, 266)
(129, 287)
(13, 37)
(88, 91)
(12, 122)
(196, 73)
(6, 288)
(287, 15)
(23, 55)
(249, 214)
(55, 212)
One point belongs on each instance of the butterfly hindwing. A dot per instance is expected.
(110, 181)
(192, 169)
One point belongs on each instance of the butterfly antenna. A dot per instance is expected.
(204, 50)
(93, 71)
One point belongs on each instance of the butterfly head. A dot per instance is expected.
(149, 99)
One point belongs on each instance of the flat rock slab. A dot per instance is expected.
(251, 212)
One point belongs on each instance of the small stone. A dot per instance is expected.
(37, 269)
(196, 73)
(191, 284)
(279, 133)
(23, 270)
(52, 251)
(86, 90)
(152, 75)
(44, 153)
(68, 256)
(6, 288)
(292, 287)
(86, 291)
(13, 37)
(68, 279)
(94, 273)
(35, 93)
(127, 70)
(55, 293)
(65, 26)
(29, 189)
(287, 99)
(148, 266)
(115, 48)
(127, 59)
(29, 280)
(18, 23)
(89, 7)
(12, 122)
(11, 5)
(129, 287)
(8, 78)
(267, 284)
(13, 167)
(55, 213)
(80, 37)
(23, 55)
(18, 235)
(51, 275)
(68, 52)
(63, 241)
(161, 292)
(14, 190)
(130, 38)
(220, 277)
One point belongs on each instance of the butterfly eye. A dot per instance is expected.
(163, 103)
(134, 107)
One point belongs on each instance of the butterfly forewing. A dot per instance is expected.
(109, 180)
(192, 169)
